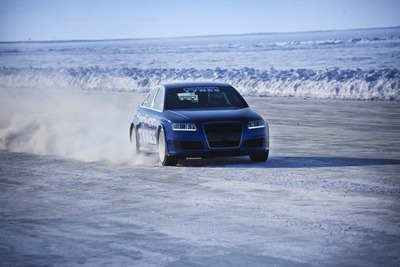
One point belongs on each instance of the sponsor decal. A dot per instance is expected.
(148, 122)
(147, 129)
(201, 89)
(147, 136)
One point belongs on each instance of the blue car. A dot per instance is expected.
(198, 120)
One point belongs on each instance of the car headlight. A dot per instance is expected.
(256, 124)
(184, 127)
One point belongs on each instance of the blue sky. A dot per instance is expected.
(22, 20)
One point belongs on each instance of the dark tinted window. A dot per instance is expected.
(204, 98)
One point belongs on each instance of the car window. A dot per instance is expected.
(150, 97)
(204, 97)
(159, 100)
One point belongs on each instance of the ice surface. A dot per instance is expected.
(72, 193)
(328, 195)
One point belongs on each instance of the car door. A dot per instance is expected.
(147, 122)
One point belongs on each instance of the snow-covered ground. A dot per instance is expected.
(71, 194)
(353, 64)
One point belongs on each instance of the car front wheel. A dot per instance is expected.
(165, 159)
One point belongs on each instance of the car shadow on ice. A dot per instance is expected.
(289, 162)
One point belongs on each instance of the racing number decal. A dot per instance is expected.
(147, 131)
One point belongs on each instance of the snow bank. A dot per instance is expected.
(378, 84)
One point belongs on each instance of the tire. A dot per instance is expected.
(165, 159)
(134, 140)
(260, 157)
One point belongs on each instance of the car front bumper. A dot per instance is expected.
(183, 144)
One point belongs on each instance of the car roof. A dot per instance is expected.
(194, 84)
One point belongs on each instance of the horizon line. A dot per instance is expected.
(188, 36)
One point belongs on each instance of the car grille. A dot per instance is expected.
(222, 135)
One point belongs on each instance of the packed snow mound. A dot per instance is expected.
(335, 83)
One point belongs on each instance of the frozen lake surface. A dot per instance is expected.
(71, 194)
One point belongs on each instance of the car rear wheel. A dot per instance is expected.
(134, 141)
(259, 157)
(165, 159)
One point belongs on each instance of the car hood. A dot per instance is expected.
(243, 114)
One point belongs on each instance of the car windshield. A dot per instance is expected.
(204, 98)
